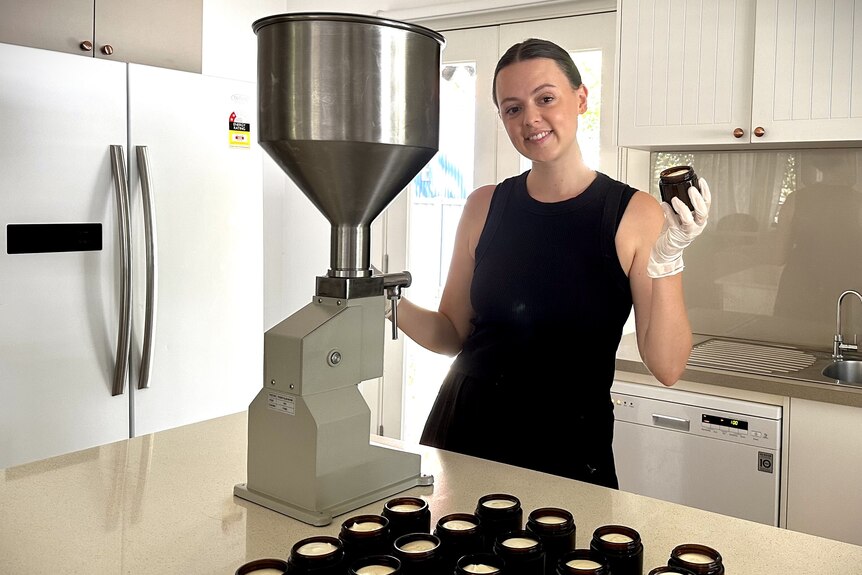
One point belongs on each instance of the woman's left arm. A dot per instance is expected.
(655, 237)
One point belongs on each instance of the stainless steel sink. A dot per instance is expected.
(847, 371)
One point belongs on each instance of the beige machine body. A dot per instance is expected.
(349, 108)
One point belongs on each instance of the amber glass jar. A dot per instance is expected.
(522, 551)
(583, 562)
(622, 547)
(480, 564)
(460, 534)
(407, 515)
(364, 535)
(319, 555)
(260, 564)
(699, 559)
(668, 570)
(674, 183)
(375, 565)
(419, 553)
(555, 528)
(499, 513)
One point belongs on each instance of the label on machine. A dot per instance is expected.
(282, 402)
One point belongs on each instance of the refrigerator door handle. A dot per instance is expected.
(124, 333)
(152, 264)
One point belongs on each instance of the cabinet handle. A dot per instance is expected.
(758, 131)
(107, 49)
(738, 133)
(86, 46)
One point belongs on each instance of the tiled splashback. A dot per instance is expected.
(784, 239)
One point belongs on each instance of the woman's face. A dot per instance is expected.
(540, 108)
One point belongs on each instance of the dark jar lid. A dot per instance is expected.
(669, 570)
(405, 507)
(416, 547)
(550, 521)
(616, 540)
(676, 174)
(583, 562)
(316, 552)
(698, 559)
(496, 505)
(361, 527)
(376, 565)
(258, 564)
(517, 545)
(457, 525)
(480, 564)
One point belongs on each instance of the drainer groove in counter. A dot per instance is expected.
(749, 357)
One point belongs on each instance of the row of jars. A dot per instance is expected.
(492, 540)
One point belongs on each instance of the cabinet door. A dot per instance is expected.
(48, 24)
(684, 72)
(824, 467)
(808, 71)
(164, 33)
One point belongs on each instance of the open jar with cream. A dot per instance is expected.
(364, 535)
(459, 535)
(263, 567)
(407, 515)
(622, 547)
(522, 551)
(320, 555)
(480, 564)
(583, 562)
(699, 559)
(555, 528)
(419, 553)
(499, 514)
(376, 565)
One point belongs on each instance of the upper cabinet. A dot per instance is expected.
(164, 33)
(728, 73)
(808, 70)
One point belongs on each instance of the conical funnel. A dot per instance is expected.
(349, 108)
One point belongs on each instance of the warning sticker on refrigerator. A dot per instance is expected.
(239, 132)
(282, 402)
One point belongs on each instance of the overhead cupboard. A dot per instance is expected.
(727, 73)
(157, 33)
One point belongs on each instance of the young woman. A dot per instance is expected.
(545, 270)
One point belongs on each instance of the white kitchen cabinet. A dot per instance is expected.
(808, 70)
(164, 33)
(684, 72)
(725, 73)
(824, 468)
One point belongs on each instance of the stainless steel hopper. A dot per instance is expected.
(349, 108)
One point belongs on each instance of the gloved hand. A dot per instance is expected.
(679, 230)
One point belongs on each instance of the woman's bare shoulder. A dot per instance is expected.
(643, 213)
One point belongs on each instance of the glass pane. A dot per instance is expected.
(781, 244)
(437, 199)
(589, 63)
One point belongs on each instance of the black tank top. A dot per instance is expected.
(549, 294)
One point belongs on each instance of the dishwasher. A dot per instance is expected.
(713, 453)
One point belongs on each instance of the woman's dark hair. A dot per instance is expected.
(535, 48)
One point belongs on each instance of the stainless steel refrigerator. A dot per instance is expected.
(118, 321)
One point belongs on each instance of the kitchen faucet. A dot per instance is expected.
(838, 345)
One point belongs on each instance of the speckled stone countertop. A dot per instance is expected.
(808, 384)
(162, 504)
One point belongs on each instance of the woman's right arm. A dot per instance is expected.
(444, 331)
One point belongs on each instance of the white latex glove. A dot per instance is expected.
(679, 230)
